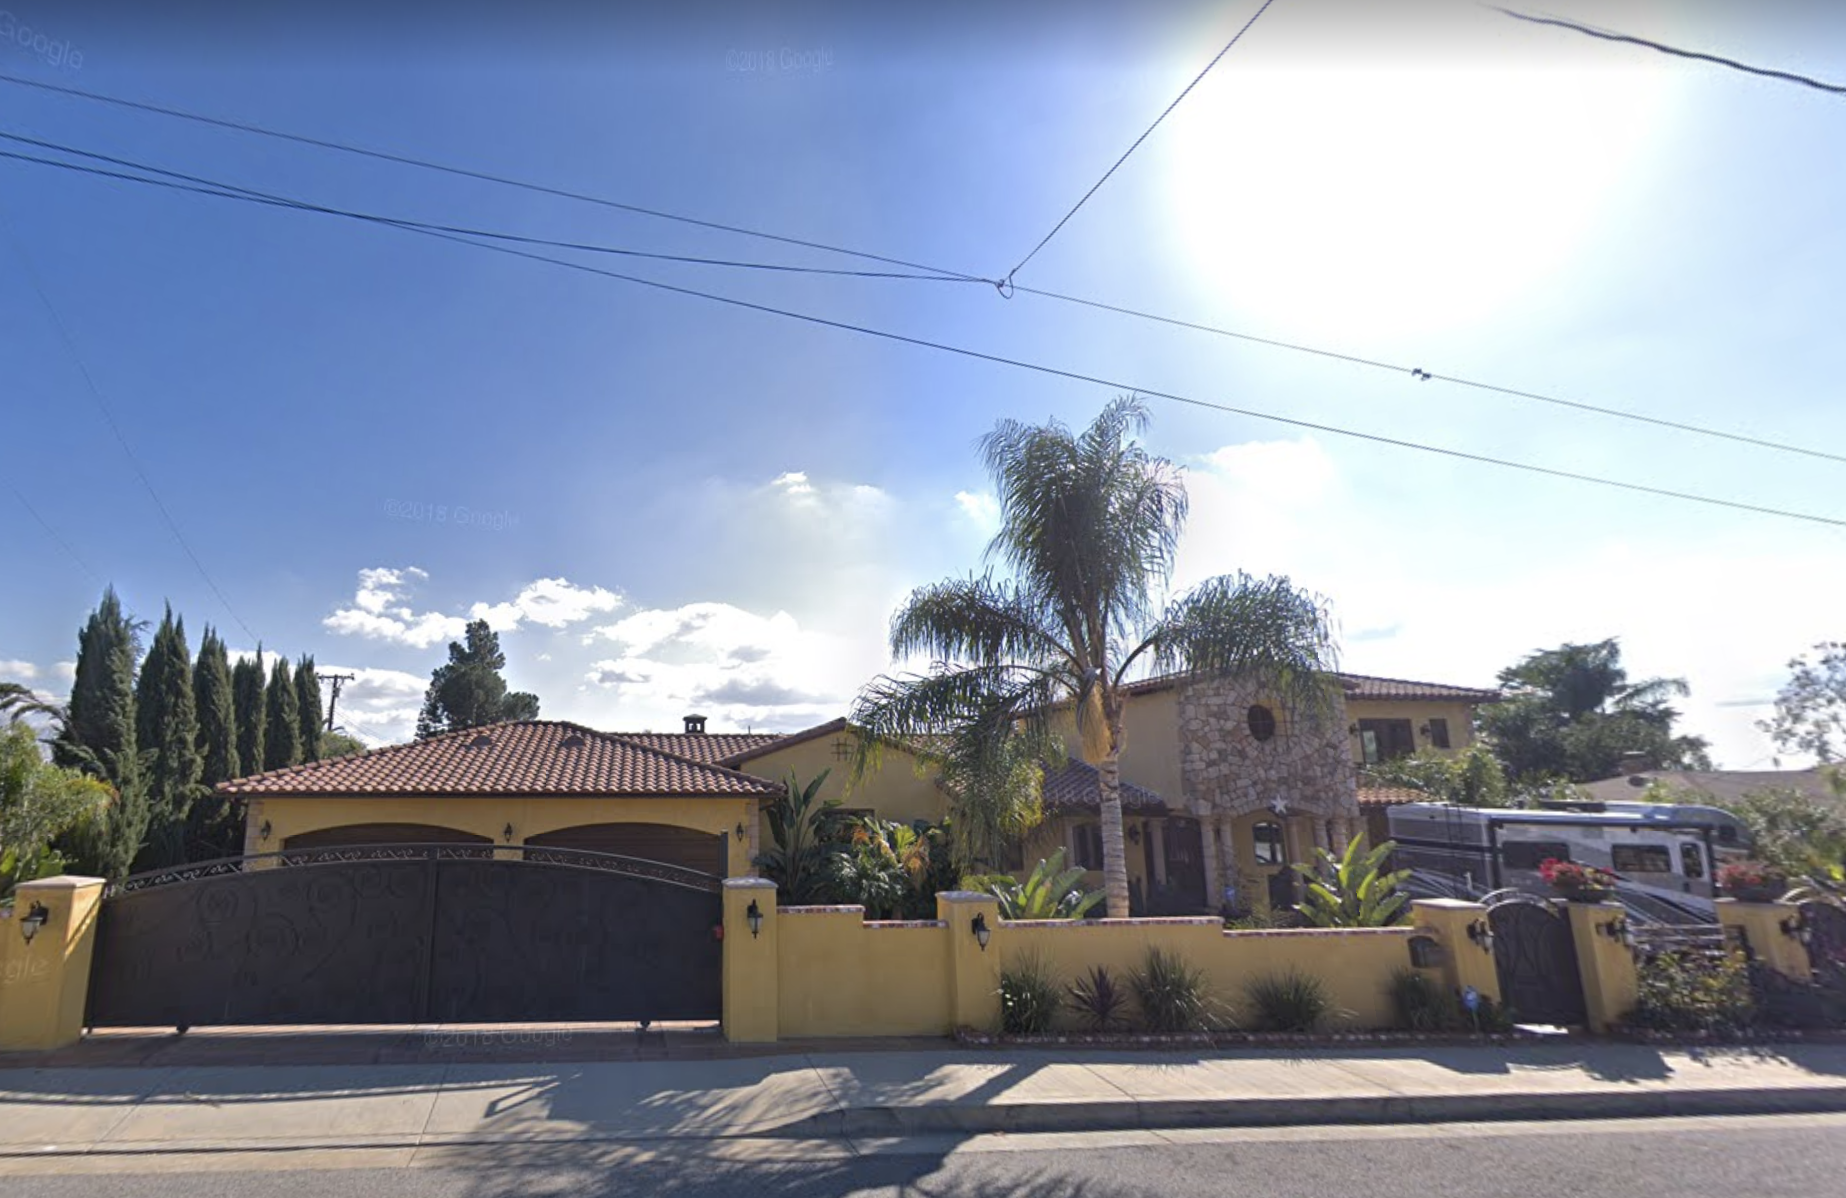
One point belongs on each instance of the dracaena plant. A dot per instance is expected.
(1353, 890)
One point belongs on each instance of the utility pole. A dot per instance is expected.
(333, 700)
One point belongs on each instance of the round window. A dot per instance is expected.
(1262, 722)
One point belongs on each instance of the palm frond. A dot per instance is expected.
(975, 620)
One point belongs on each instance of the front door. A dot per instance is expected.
(1185, 852)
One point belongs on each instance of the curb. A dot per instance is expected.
(870, 1122)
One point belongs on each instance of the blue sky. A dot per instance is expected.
(678, 505)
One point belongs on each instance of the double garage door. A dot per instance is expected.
(685, 847)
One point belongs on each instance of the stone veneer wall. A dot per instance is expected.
(1227, 771)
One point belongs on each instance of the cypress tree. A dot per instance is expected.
(167, 731)
(214, 829)
(282, 719)
(307, 705)
(98, 738)
(247, 702)
(468, 692)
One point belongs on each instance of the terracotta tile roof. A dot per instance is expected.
(528, 757)
(709, 748)
(1390, 796)
(915, 744)
(1361, 686)
(1078, 787)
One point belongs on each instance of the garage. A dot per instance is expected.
(685, 847)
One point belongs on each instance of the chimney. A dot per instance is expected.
(1634, 763)
(695, 724)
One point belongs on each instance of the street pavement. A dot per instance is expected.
(68, 1112)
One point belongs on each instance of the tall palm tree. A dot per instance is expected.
(1089, 525)
(18, 701)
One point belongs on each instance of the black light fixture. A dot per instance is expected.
(740, 829)
(1796, 927)
(32, 921)
(508, 833)
(981, 932)
(1134, 833)
(1482, 934)
(1424, 730)
(262, 833)
(754, 917)
(1616, 929)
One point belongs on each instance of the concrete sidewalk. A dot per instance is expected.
(195, 1108)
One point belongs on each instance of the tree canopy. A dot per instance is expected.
(1810, 710)
(467, 691)
(167, 730)
(98, 737)
(1572, 712)
(39, 803)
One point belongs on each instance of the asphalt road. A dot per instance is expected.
(1764, 1157)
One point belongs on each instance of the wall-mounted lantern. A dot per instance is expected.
(1424, 730)
(507, 833)
(981, 932)
(1617, 929)
(1482, 934)
(740, 829)
(1796, 927)
(753, 915)
(32, 921)
(1134, 833)
(262, 833)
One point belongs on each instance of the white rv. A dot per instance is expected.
(1662, 854)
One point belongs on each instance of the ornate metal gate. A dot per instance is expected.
(409, 934)
(1825, 925)
(1536, 959)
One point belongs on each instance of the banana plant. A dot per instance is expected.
(1353, 890)
(796, 860)
(1049, 892)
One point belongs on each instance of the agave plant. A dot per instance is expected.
(1049, 892)
(1353, 890)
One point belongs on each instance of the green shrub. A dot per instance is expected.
(1170, 993)
(1099, 999)
(1049, 892)
(1694, 992)
(1424, 1005)
(1290, 1002)
(1028, 996)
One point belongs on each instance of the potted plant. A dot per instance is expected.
(1750, 882)
(1577, 883)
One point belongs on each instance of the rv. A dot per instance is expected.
(1663, 854)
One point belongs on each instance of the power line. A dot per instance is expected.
(1137, 142)
(1677, 52)
(232, 191)
(102, 406)
(1118, 385)
(212, 187)
(53, 534)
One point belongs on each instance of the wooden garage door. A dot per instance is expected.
(650, 842)
(351, 834)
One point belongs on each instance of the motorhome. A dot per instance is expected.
(1663, 854)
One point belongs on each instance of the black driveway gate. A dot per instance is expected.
(409, 934)
(1535, 957)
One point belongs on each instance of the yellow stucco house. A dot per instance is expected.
(1221, 789)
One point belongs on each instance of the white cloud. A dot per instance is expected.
(66, 670)
(982, 508)
(378, 706)
(794, 482)
(18, 671)
(552, 602)
(380, 611)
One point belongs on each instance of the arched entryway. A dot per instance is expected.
(346, 835)
(685, 847)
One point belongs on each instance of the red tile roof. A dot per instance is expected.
(1078, 787)
(1362, 686)
(528, 757)
(709, 748)
(1391, 796)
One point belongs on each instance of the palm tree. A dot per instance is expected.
(18, 701)
(1090, 522)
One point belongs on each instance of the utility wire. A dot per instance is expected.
(232, 191)
(1119, 385)
(53, 534)
(226, 190)
(1677, 52)
(1137, 142)
(102, 406)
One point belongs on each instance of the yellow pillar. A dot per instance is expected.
(1611, 981)
(974, 971)
(1466, 961)
(1769, 930)
(752, 1012)
(45, 984)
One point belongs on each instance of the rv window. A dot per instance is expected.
(1266, 842)
(1641, 858)
(1528, 854)
(1692, 856)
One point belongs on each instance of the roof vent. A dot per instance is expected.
(573, 741)
(695, 724)
(481, 741)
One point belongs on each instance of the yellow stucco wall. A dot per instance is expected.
(1419, 712)
(1150, 745)
(45, 984)
(529, 816)
(894, 791)
(1055, 833)
(839, 976)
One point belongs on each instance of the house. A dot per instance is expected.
(1222, 788)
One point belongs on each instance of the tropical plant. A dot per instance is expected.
(995, 789)
(877, 866)
(17, 701)
(1290, 1001)
(1049, 892)
(1028, 996)
(39, 802)
(1099, 999)
(1089, 523)
(1353, 890)
(796, 860)
(1472, 777)
(1694, 992)
(1170, 992)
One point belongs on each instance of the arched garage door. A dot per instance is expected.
(346, 835)
(651, 842)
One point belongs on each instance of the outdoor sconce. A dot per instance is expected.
(1796, 927)
(1352, 729)
(1424, 730)
(34, 919)
(507, 832)
(1617, 929)
(1134, 833)
(740, 829)
(1481, 934)
(754, 917)
(262, 833)
(980, 930)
